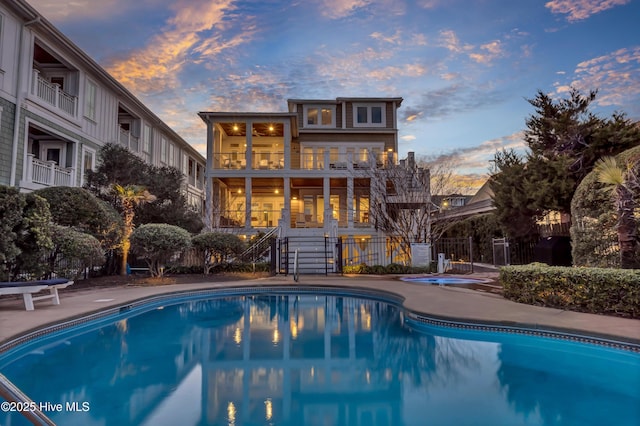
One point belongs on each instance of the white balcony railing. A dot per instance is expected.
(48, 173)
(53, 94)
(129, 141)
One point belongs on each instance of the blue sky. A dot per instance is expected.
(464, 67)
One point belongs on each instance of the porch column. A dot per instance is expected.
(286, 215)
(207, 178)
(247, 202)
(287, 150)
(350, 202)
(28, 175)
(249, 135)
(326, 194)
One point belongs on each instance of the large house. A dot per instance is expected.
(58, 107)
(313, 171)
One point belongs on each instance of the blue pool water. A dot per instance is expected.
(326, 359)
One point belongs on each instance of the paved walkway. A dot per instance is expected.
(446, 302)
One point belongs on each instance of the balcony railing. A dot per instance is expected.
(53, 94)
(48, 173)
(128, 140)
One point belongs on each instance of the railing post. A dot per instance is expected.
(29, 173)
(52, 172)
(56, 98)
(34, 82)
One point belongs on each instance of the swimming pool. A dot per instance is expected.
(328, 357)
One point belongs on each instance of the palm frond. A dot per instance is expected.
(609, 172)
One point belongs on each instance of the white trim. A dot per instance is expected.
(369, 106)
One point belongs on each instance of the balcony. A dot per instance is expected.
(129, 141)
(52, 94)
(48, 173)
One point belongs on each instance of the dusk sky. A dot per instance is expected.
(464, 67)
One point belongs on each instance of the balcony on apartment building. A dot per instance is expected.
(48, 173)
(309, 159)
(54, 95)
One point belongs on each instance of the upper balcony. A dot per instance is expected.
(54, 81)
(53, 95)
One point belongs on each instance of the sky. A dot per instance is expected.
(464, 68)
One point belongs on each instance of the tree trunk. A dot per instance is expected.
(627, 234)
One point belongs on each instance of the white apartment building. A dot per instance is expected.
(58, 107)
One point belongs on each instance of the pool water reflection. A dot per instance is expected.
(290, 359)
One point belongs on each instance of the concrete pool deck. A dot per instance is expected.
(442, 302)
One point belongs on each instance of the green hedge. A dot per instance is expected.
(594, 290)
(392, 268)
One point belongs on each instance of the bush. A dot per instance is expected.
(73, 252)
(217, 247)
(594, 239)
(80, 209)
(392, 268)
(594, 290)
(25, 234)
(157, 243)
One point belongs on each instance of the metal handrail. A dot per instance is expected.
(30, 410)
(296, 273)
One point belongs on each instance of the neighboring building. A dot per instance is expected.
(58, 107)
(463, 206)
(308, 171)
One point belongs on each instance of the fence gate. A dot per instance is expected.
(501, 252)
(316, 255)
(458, 254)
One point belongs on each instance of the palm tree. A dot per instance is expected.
(129, 197)
(623, 183)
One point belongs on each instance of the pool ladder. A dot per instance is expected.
(11, 393)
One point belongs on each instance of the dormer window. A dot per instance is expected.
(320, 116)
(369, 115)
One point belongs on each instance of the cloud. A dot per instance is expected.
(485, 54)
(615, 75)
(489, 52)
(449, 40)
(335, 9)
(57, 11)
(195, 32)
(449, 101)
(578, 10)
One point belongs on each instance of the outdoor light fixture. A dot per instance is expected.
(235, 127)
(271, 127)
(277, 191)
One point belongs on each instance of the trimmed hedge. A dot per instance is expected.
(392, 268)
(593, 290)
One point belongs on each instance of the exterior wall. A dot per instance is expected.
(20, 84)
(7, 111)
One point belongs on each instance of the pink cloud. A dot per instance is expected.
(578, 10)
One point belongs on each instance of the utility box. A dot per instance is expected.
(554, 251)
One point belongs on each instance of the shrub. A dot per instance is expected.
(73, 252)
(25, 234)
(157, 243)
(80, 209)
(392, 268)
(217, 247)
(594, 240)
(594, 290)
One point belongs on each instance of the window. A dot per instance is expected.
(369, 115)
(90, 92)
(163, 150)
(319, 116)
(146, 141)
(172, 154)
(88, 162)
